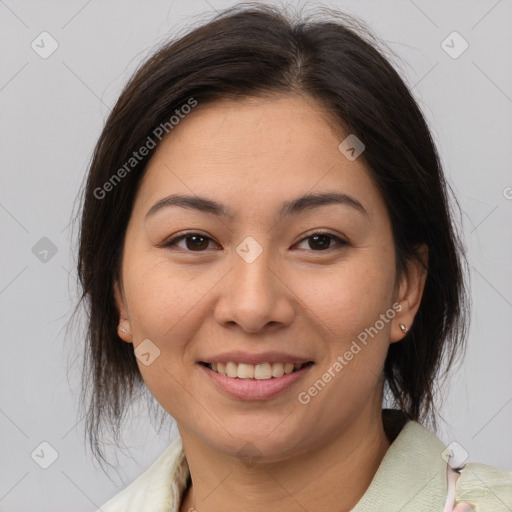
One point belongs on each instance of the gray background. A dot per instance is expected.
(52, 112)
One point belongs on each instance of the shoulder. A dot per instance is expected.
(486, 487)
(415, 475)
(158, 488)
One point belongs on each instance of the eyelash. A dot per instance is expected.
(173, 241)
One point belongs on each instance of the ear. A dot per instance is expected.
(124, 329)
(410, 292)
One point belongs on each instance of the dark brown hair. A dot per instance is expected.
(253, 50)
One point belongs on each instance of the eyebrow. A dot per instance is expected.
(292, 207)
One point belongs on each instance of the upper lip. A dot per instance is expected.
(248, 358)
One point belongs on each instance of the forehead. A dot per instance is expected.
(255, 125)
(255, 150)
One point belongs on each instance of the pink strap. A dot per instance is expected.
(451, 479)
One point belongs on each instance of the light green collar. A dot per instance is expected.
(411, 476)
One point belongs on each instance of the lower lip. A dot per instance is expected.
(252, 389)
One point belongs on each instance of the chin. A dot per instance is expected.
(260, 444)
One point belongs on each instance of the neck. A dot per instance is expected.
(333, 476)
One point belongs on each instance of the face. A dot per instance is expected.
(261, 277)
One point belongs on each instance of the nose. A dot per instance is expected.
(255, 295)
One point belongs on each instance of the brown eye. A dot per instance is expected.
(322, 241)
(194, 242)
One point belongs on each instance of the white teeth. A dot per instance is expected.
(232, 369)
(288, 367)
(277, 370)
(245, 371)
(263, 371)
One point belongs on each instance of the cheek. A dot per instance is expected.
(347, 306)
(349, 297)
(165, 307)
(162, 298)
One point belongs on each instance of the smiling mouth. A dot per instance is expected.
(263, 371)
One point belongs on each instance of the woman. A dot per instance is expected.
(266, 244)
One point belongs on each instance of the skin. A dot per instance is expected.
(252, 155)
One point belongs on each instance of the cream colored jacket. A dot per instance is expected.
(412, 477)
